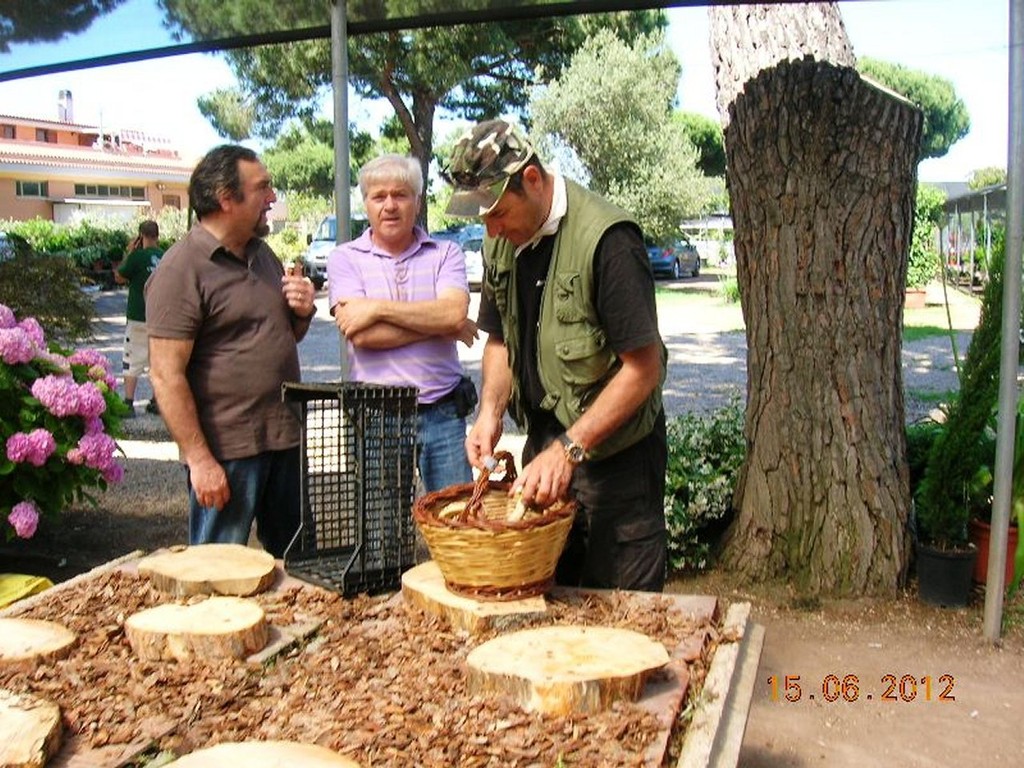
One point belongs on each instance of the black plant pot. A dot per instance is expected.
(944, 575)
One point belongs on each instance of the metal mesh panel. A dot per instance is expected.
(358, 483)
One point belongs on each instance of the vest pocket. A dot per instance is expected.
(585, 359)
(570, 303)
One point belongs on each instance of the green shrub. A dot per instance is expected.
(923, 259)
(287, 244)
(48, 288)
(921, 435)
(943, 499)
(704, 456)
(729, 290)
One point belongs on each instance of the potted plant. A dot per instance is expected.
(943, 500)
(980, 502)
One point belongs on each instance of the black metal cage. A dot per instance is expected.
(358, 482)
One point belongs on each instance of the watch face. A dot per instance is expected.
(575, 453)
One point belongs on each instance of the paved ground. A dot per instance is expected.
(707, 367)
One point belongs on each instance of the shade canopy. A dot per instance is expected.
(147, 29)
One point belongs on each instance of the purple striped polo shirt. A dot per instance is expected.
(427, 267)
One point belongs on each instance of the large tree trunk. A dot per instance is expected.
(822, 177)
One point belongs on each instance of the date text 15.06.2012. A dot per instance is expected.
(850, 688)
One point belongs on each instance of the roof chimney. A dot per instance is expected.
(65, 111)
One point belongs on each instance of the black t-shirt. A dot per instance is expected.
(624, 298)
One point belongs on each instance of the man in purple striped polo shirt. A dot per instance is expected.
(401, 298)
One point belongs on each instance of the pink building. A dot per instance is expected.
(60, 170)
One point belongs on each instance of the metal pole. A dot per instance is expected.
(339, 82)
(1008, 368)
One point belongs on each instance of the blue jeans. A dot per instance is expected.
(264, 488)
(441, 447)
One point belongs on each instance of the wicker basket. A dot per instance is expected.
(483, 554)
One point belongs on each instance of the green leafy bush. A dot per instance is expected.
(943, 499)
(705, 453)
(729, 290)
(923, 260)
(48, 288)
(921, 435)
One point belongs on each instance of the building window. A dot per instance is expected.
(107, 191)
(32, 188)
(45, 134)
(172, 201)
(7, 131)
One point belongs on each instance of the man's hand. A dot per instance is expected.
(355, 315)
(482, 438)
(467, 333)
(298, 291)
(209, 483)
(546, 479)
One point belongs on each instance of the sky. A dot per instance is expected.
(962, 40)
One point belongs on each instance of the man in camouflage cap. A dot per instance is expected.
(573, 353)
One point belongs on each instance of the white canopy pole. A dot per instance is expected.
(1005, 437)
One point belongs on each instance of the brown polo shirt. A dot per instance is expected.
(244, 344)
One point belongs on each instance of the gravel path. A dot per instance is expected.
(706, 369)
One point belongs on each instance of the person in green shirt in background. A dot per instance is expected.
(134, 271)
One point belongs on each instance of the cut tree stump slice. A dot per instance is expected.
(210, 569)
(264, 754)
(29, 641)
(30, 730)
(423, 587)
(564, 670)
(217, 628)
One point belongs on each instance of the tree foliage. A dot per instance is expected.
(706, 136)
(229, 112)
(612, 107)
(48, 20)
(473, 71)
(302, 158)
(946, 120)
(986, 177)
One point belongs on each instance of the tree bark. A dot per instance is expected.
(821, 168)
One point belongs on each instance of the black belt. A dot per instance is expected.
(421, 407)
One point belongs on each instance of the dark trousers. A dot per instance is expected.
(618, 540)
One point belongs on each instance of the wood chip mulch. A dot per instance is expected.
(380, 682)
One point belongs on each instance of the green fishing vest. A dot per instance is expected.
(574, 359)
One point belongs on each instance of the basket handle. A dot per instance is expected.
(475, 503)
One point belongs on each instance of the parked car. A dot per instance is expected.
(470, 238)
(675, 260)
(474, 250)
(322, 242)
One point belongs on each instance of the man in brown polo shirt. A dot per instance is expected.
(224, 321)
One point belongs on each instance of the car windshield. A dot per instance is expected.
(328, 230)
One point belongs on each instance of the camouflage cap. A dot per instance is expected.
(483, 161)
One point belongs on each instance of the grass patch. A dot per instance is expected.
(964, 310)
(918, 332)
(931, 396)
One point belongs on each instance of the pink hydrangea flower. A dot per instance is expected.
(24, 519)
(89, 358)
(113, 473)
(58, 394)
(35, 447)
(16, 346)
(34, 331)
(97, 450)
(90, 401)
(7, 319)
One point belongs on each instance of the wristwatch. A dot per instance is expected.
(574, 452)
